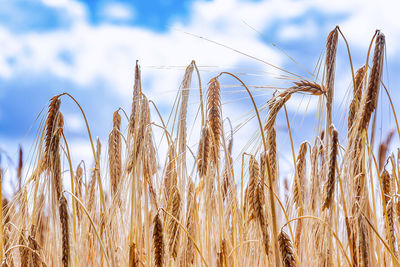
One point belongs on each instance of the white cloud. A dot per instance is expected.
(80, 149)
(74, 9)
(74, 122)
(83, 53)
(109, 52)
(361, 25)
(117, 11)
(292, 32)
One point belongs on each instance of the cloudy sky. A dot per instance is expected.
(89, 49)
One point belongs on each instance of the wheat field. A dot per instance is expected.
(341, 206)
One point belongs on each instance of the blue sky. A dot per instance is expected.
(89, 48)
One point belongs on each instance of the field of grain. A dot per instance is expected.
(341, 206)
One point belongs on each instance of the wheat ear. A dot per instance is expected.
(204, 151)
(158, 241)
(51, 125)
(370, 97)
(286, 249)
(330, 185)
(331, 47)
(214, 117)
(64, 219)
(114, 153)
